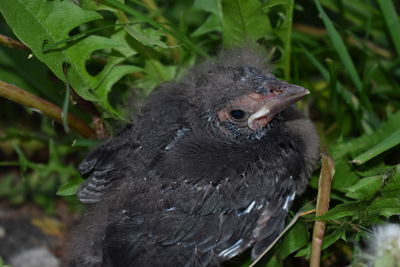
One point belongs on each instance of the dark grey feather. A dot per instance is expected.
(181, 188)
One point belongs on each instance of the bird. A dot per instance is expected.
(208, 168)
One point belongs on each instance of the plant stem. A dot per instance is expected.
(324, 193)
(24, 98)
(10, 42)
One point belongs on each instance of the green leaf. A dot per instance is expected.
(389, 142)
(243, 20)
(343, 210)
(211, 6)
(213, 23)
(271, 3)
(96, 5)
(70, 187)
(365, 209)
(156, 73)
(126, 50)
(331, 238)
(296, 238)
(187, 42)
(47, 22)
(148, 37)
(304, 252)
(105, 87)
(273, 261)
(344, 176)
(366, 188)
(366, 141)
(386, 207)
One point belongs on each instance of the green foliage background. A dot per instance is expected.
(347, 53)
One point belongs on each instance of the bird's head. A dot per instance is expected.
(238, 95)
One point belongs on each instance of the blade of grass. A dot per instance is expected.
(285, 33)
(340, 47)
(392, 22)
(363, 116)
(389, 142)
(357, 10)
(349, 98)
(334, 84)
(287, 44)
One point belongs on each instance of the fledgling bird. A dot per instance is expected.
(209, 169)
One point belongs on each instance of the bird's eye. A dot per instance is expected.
(237, 114)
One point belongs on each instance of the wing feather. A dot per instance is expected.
(100, 166)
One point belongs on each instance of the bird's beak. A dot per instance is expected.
(282, 95)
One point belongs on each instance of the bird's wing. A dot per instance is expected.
(143, 236)
(203, 230)
(215, 207)
(159, 124)
(100, 167)
(270, 223)
(249, 220)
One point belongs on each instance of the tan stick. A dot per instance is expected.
(324, 195)
(24, 98)
(10, 42)
(100, 128)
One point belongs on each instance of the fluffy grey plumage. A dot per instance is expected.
(209, 169)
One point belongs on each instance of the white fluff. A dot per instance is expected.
(383, 247)
(386, 237)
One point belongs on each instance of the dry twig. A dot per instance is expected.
(24, 98)
(324, 194)
(10, 42)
